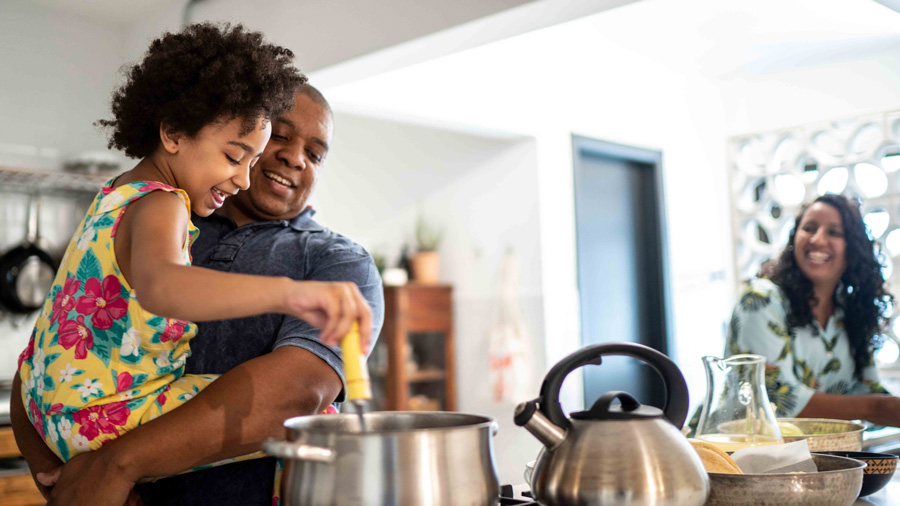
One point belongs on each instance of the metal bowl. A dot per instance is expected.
(824, 435)
(836, 484)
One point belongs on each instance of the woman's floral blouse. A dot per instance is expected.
(801, 362)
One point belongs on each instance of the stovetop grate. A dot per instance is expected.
(508, 501)
(507, 494)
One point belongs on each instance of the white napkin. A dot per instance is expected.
(786, 458)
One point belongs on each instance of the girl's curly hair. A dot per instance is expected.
(861, 292)
(192, 78)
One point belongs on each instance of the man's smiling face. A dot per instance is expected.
(286, 173)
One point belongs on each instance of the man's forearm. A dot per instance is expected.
(231, 417)
(37, 454)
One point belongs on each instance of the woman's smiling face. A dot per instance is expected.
(819, 245)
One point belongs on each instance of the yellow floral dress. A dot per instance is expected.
(98, 364)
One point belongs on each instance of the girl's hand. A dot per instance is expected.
(331, 307)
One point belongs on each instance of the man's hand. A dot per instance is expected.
(36, 453)
(90, 479)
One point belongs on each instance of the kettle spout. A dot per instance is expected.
(549, 434)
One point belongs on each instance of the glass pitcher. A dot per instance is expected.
(736, 413)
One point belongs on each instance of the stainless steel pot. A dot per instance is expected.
(403, 459)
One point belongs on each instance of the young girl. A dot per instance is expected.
(109, 348)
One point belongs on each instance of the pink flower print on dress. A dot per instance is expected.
(75, 333)
(161, 398)
(104, 301)
(28, 352)
(173, 331)
(37, 418)
(124, 381)
(64, 300)
(153, 185)
(104, 418)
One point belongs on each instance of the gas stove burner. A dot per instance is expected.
(507, 498)
(504, 501)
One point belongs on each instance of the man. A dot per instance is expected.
(273, 366)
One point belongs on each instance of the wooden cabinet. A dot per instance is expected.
(412, 365)
(17, 488)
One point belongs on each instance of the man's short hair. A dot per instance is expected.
(316, 96)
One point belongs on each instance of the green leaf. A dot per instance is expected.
(54, 291)
(833, 365)
(753, 301)
(89, 267)
(63, 448)
(133, 359)
(49, 359)
(48, 383)
(101, 347)
(157, 322)
(105, 222)
(116, 332)
(136, 403)
(138, 380)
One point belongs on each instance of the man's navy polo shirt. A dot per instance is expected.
(300, 249)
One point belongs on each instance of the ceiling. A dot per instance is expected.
(721, 40)
(114, 12)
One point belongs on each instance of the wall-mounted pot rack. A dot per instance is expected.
(50, 182)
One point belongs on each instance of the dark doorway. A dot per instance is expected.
(622, 273)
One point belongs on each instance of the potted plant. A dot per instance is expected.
(426, 261)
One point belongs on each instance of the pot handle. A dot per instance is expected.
(297, 451)
(676, 407)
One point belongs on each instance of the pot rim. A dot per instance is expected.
(477, 422)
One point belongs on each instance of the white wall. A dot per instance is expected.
(484, 192)
(658, 75)
(57, 75)
(530, 87)
(803, 87)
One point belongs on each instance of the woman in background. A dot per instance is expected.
(815, 313)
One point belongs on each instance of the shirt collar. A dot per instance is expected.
(303, 222)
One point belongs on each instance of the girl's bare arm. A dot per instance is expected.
(149, 248)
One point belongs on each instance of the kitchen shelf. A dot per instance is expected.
(412, 366)
(46, 182)
(427, 375)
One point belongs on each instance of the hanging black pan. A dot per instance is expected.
(26, 271)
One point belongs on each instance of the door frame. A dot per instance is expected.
(646, 157)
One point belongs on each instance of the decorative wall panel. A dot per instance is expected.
(772, 174)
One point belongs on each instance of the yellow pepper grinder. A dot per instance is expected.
(355, 371)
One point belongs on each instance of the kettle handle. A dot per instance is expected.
(676, 407)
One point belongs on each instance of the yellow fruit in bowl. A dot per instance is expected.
(789, 429)
(714, 459)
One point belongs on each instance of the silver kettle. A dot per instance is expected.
(625, 454)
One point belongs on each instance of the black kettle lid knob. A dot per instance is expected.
(628, 409)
